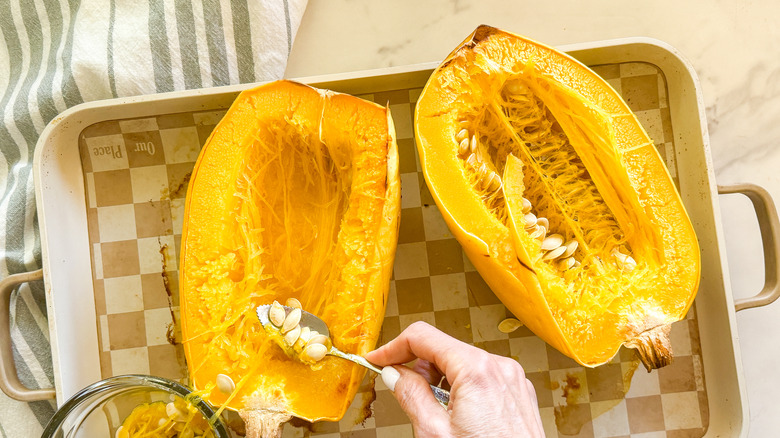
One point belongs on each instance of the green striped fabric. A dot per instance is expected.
(58, 53)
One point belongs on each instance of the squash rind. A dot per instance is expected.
(366, 239)
(489, 243)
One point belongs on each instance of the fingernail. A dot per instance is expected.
(390, 376)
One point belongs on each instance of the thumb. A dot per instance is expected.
(429, 418)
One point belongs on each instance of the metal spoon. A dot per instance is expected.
(315, 323)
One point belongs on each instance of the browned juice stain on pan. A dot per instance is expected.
(171, 332)
(177, 190)
(567, 418)
(181, 188)
(629, 374)
(567, 422)
(307, 426)
(368, 399)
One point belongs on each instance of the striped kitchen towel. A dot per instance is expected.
(59, 53)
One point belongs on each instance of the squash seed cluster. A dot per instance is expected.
(554, 248)
(468, 149)
(309, 345)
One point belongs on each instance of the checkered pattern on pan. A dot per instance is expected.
(136, 174)
(135, 211)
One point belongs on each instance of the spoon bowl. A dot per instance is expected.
(307, 319)
(315, 323)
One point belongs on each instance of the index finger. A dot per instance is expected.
(421, 340)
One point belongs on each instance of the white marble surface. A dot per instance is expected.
(733, 45)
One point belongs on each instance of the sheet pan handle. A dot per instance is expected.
(9, 380)
(770, 236)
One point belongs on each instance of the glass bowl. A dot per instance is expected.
(99, 409)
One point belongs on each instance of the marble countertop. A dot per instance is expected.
(732, 46)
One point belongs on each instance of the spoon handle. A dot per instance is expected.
(441, 395)
(360, 360)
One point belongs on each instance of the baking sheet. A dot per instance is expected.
(136, 172)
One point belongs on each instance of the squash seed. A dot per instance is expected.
(483, 170)
(314, 352)
(514, 86)
(225, 384)
(478, 156)
(472, 161)
(303, 338)
(624, 261)
(538, 232)
(317, 339)
(571, 246)
(292, 320)
(566, 263)
(495, 182)
(173, 412)
(292, 336)
(509, 325)
(473, 145)
(544, 222)
(294, 303)
(526, 206)
(276, 314)
(554, 254)
(552, 241)
(463, 134)
(484, 180)
(530, 220)
(629, 264)
(463, 147)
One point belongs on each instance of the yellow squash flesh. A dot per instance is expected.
(550, 130)
(295, 194)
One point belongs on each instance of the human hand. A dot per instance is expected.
(489, 397)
